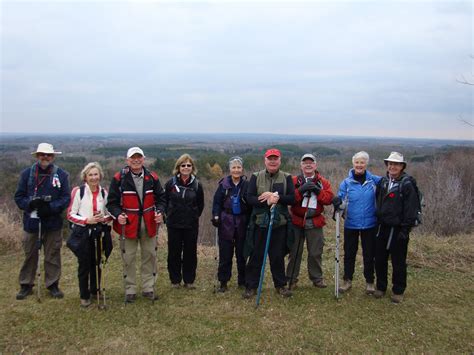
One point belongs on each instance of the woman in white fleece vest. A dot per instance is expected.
(88, 214)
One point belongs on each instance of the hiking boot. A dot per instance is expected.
(293, 286)
(249, 293)
(85, 303)
(130, 298)
(396, 298)
(55, 292)
(176, 285)
(223, 287)
(346, 286)
(150, 295)
(369, 288)
(379, 294)
(284, 292)
(189, 286)
(320, 284)
(24, 292)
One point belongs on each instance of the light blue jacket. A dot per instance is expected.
(360, 201)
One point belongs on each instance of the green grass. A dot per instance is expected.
(436, 315)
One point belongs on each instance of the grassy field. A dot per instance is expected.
(436, 316)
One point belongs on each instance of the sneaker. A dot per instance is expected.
(130, 298)
(223, 287)
(85, 303)
(284, 292)
(24, 292)
(320, 284)
(150, 295)
(369, 288)
(346, 286)
(189, 286)
(379, 294)
(176, 285)
(249, 293)
(397, 298)
(55, 292)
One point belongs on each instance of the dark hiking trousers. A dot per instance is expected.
(87, 270)
(351, 245)
(226, 253)
(182, 254)
(398, 253)
(276, 255)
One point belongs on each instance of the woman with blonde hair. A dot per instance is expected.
(89, 216)
(185, 203)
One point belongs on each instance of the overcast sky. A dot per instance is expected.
(361, 68)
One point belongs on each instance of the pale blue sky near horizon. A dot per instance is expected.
(355, 68)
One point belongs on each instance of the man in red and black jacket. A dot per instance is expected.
(312, 192)
(137, 202)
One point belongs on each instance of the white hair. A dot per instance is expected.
(361, 155)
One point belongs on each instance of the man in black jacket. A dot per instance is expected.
(396, 212)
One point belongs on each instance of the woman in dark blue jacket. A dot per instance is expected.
(357, 192)
(230, 216)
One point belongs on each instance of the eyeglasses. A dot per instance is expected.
(186, 165)
(48, 155)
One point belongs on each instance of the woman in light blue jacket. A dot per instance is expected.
(357, 192)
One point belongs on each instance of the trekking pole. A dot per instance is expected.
(390, 238)
(265, 253)
(39, 242)
(336, 259)
(155, 261)
(102, 273)
(216, 259)
(122, 247)
(97, 267)
(299, 242)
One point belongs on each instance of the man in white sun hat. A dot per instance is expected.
(42, 193)
(397, 201)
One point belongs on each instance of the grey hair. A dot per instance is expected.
(361, 155)
(89, 167)
(237, 160)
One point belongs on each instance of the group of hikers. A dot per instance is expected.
(287, 210)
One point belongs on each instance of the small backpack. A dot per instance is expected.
(420, 199)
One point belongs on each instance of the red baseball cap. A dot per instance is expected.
(272, 151)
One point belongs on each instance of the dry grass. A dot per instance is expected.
(11, 231)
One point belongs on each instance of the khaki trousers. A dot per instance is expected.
(148, 248)
(315, 243)
(52, 242)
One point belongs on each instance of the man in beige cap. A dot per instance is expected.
(42, 193)
(397, 201)
(137, 202)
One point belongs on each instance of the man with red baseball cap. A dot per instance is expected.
(266, 188)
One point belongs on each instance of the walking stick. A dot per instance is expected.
(336, 259)
(39, 242)
(216, 259)
(102, 273)
(299, 240)
(390, 239)
(265, 253)
(97, 266)
(154, 263)
(122, 249)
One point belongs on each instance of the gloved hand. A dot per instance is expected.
(336, 202)
(44, 210)
(404, 233)
(307, 186)
(317, 189)
(34, 204)
(216, 221)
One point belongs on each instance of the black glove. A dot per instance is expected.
(403, 234)
(216, 221)
(34, 204)
(336, 202)
(317, 189)
(307, 186)
(44, 210)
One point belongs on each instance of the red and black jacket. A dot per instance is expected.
(324, 198)
(123, 198)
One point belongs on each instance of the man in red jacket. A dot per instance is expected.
(312, 192)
